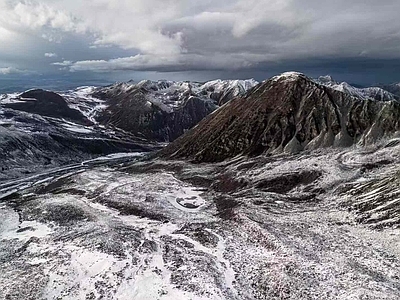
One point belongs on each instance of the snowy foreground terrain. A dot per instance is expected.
(318, 225)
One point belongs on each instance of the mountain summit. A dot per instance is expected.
(287, 113)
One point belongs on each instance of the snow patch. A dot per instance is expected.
(288, 76)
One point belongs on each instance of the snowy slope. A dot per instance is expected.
(225, 90)
(34, 136)
(170, 95)
(82, 100)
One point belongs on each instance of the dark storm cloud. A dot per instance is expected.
(219, 37)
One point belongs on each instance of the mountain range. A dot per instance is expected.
(283, 189)
(289, 113)
(368, 93)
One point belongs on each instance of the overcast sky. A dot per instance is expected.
(89, 40)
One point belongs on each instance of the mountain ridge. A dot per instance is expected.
(287, 113)
(373, 92)
(164, 110)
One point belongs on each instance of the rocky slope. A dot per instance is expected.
(287, 113)
(164, 110)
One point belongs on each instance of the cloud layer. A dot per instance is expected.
(187, 35)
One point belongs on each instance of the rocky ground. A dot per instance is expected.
(322, 224)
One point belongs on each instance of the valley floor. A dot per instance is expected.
(320, 225)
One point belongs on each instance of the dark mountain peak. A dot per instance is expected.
(287, 113)
(46, 103)
(40, 94)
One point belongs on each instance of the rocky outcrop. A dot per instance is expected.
(288, 113)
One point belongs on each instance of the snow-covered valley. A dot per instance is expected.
(134, 228)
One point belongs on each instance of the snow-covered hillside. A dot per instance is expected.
(170, 95)
(296, 196)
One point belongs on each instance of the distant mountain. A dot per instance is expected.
(392, 88)
(376, 93)
(164, 110)
(287, 113)
(223, 91)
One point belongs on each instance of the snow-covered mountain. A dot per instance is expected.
(42, 129)
(288, 113)
(225, 90)
(392, 88)
(164, 110)
(169, 95)
(376, 93)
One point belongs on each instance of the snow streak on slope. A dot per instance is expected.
(82, 100)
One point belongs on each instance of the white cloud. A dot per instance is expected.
(142, 62)
(27, 15)
(188, 34)
(50, 54)
(11, 70)
(64, 63)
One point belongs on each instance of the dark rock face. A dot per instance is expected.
(286, 182)
(134, 113)
(288, 113)
(48, 104)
